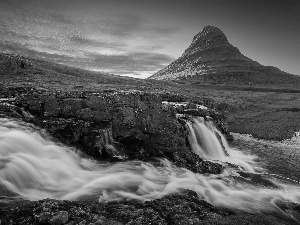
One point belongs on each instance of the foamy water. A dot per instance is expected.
(36, 168)
(205, 143)
(281, 158)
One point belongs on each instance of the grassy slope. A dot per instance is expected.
(42, 74)
(266, 111)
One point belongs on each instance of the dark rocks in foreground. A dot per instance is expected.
(180, 208)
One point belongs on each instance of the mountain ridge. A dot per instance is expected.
(211, 54)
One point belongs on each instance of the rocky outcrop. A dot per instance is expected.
(110, 125)
(185, 110)
(212, 59)
(184, 208)
(136, 120)
(14, 62)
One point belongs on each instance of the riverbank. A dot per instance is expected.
(176, 207)
(270, 113)
(100, 113)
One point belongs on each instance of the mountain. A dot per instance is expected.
(212, 59)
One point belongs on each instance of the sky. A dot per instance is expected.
(138, 38)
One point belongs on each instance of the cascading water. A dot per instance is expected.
(109, 144)
(36, 168)
(205, 143)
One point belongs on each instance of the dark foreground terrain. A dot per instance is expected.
(184, 208)
(79, 108)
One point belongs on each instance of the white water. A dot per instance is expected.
(109, 144)
(204, 142)
(37, 168)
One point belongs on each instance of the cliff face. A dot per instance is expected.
(211, 58)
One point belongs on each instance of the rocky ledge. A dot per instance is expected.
(108, 125)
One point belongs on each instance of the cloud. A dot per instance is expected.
(122, 43)
(61, 18)
(94, 43)
(136, 63)
(19, 49)
(135, 60)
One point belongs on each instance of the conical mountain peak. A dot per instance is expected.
(211, 58)
(209, 37)
(208, 31)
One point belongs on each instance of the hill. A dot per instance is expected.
(211, 59)
(246, 105)
(20, 71)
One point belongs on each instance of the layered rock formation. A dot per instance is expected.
(212, 59)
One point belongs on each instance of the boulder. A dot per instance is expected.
(59, 218)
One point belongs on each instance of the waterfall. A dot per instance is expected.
(109, 145)
(34, 167)
(204, 141)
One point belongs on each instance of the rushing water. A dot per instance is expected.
(34, 167)
(204, 141)
(281, 158)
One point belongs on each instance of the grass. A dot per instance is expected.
(266, 110)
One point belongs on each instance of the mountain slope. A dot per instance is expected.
(20, 71)
(212, 59)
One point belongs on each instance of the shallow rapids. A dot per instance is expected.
(36, 168)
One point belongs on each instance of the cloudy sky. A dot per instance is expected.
(137, 37)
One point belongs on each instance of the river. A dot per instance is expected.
(34, 167)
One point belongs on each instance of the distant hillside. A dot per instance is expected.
(212, 59)
(19, 71)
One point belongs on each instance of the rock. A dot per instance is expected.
(111, 126)
(14, 62)
(9, 110)
(138, 127)
(192, 106)
(59, 218)
(136, 121)
(44, 218)
(177, 208)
